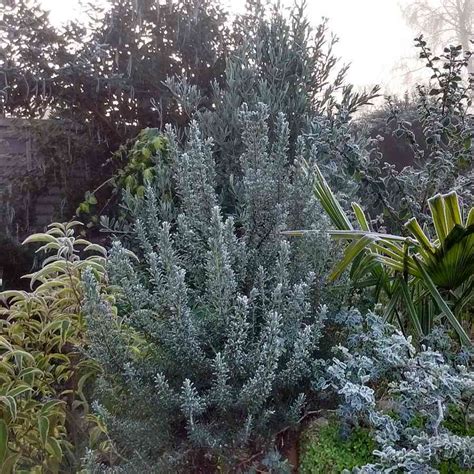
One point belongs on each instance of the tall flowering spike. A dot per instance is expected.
(281, 145)
(192, 248)
(221, 285)
(299, 364)
(282, 264)
(167, 255)
(255, 138)
(237, 250)
(151, 211)
(142, 237)
(162, 264)
(236, 346)
(222, 394)
(195, 180)
(123, 274)
(192, 405)
(256, 391)
(172, 141)
(265, 183)
(103, 328)
(168, 397)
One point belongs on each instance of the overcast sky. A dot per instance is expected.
(373, 36)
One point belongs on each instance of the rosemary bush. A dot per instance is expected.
(215, 345)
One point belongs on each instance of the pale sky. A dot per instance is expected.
(373, 36)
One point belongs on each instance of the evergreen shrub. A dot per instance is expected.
(215, 345)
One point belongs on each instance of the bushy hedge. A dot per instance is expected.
(45, 421)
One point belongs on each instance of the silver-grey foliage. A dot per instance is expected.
(421, 389)
(215, 346)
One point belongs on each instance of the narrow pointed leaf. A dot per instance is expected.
(443, 306)
(352, 251)
(43, 428)
(438, 214)
(351, 234)
(414, 227)
(329, 201)
(453, 210)
(360, 216)
(3, 441)
(392, 304)
(411, 310)
(470, 217)
(39, 238)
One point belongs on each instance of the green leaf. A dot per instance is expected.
(96, 248)
(415, 320)
(470, 218)
(362, 265)
(9, 464)
(392, 304)
(72, 224)
(467, 143)
(148, 175)
(3, 441)
(466, 296)
(360, 216)
(29, 373)
(140, 191)
(12, 294)
(442, 305)
(92, 199)
(5, 344)
(130, 182)
(353, 234)
(48, 407)
(43, 428)
(54, 448)
(438, 213)
(453, 210)
(10, 404)
(84, 208)
(20, 389)
(146, 153)
(21, 356)
(414, 227)
(352, 251)
(158, 143)
(39, 238)
(329, 202)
